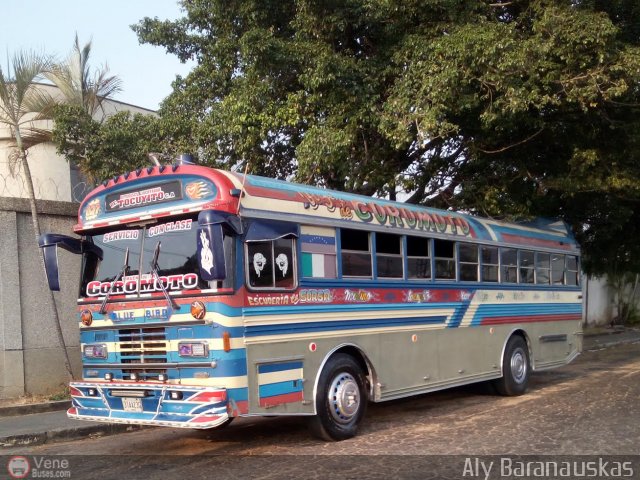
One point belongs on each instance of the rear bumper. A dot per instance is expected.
(143, 403)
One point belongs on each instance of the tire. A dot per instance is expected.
(226, 423)
(341, 399)
(516, 368)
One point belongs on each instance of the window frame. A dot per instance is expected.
(504, 266)
(564, 269)
(428, 258)
(548, 269)
(531, 267)
(495, 265)
(401, 256)
(460, 262)
(448, 259)
(370, 251)
(567, 270)
(293, 266)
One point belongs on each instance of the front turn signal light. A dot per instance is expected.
(198, 310)
(86, 317)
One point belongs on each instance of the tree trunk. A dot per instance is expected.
(36, 228)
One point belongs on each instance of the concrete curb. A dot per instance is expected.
(618, 336)
(66, 434)
(611, 343)
(29, 408)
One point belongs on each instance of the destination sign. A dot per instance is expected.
(140, 197)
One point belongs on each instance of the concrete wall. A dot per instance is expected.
(31, 361)
(598, 301)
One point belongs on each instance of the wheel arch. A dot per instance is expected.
(359, 356)
(520, 332)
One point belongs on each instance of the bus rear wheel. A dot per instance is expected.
(516, 368)
(341, 399)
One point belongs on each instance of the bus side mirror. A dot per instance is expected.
(211, 252)
(49, 243)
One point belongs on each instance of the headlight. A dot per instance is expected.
(96, 350)
(193, 349)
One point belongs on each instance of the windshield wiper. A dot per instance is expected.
(121, 274)
(154, 270)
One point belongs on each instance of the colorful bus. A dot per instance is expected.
(207, 295)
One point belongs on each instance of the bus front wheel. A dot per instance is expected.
(516, 368)
(341, 399)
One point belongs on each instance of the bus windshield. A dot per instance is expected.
(177, 261)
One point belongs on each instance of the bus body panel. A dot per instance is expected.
(265, 348)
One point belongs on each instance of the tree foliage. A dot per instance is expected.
(506, 108)
(103, 148)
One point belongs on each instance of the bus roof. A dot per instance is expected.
(158, 192)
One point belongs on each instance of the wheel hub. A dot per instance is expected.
(344, 397)
(519, 365)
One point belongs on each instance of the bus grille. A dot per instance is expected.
(140, 346)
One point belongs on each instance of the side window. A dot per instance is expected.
(468, 262)
(284, 266)
(389, 255)
(489, 264)
(355, 253)
(557, 269)
(260, 264)
(527, 266)
(571, 277)
(543, 267)
(418, 258)
(445, 260)
(509, 265)
(271, 264)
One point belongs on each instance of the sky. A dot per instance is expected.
(49, 26)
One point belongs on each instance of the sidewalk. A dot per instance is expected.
(36, 424)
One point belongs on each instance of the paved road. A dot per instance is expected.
(589, 407)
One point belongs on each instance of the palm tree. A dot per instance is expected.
(24, 107)
(83, 88)
(79, 85)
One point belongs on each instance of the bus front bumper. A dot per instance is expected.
(142, 403)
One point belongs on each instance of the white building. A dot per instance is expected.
(53, 177)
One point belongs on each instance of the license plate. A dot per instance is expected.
(132, 404)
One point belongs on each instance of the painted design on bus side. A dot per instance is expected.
(359, 296)
(273, 300)
(389, 214)
(178, 226)
(465, 296)
(422, 296)
(148, 284)
(283, 263)
(331, 203)
(137, 198)
(259, 261)
(120, 235)
(206, 255)
(147, 314)
(92, 209)
(314, 295)
(198, 190)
